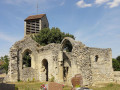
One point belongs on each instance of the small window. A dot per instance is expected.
(96, 58)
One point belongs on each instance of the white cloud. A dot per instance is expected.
(100, 1)
(113, 4)
(82, 4)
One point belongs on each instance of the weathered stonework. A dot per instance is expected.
(93, 64)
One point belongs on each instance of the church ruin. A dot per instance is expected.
(61, 61)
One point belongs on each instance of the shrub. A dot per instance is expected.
(110, 85)
(33, 79)
(5, 59)
(77, 86)
(28, 80)
(52, 79)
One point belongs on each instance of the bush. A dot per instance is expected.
(110, 85)
(52, 79)
(33, 79)
(116, 63)
(4, 66)
(28, 80)
(77, 86)
(46, 36)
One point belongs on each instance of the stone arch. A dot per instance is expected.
(26, 58)
(45, 69)
(67, 44)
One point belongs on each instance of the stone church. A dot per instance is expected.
(53, 60)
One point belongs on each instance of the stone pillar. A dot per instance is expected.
(60, 62)
(40, 25)
(13, 65)
(25, 28)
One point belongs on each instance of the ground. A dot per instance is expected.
(36, 86)
(33, 86)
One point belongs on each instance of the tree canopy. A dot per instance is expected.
(5, 59)
(53, 35)
(116, 63)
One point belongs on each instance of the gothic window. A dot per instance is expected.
(27, 58)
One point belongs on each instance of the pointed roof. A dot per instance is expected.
(34, 17)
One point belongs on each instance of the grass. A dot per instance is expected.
(67, 88)
(32, 86)
(110, 86)
(36, 86)
(28, 85)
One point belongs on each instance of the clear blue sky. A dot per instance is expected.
(96, 23)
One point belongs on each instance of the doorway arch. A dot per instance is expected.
(45, 68)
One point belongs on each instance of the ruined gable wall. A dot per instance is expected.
(102, 70)
(28, 73)
(16, 71)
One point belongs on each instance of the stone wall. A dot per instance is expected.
(83, 63)
(102, 71)
(15, 70)
(53, 61)
(117, 77)
(80, 61)
(49, 53)
(29, 74)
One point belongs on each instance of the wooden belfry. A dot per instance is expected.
(33, 24)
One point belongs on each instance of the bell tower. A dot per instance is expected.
(33, 24)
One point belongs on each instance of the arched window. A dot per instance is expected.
(96, 58)
(67, 46)
(27, 58)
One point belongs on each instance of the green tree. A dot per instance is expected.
(53, 35)
(118, 58)
(6, 63)
(116, 64)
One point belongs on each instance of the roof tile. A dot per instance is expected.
(34, 17)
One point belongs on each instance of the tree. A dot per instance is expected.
(116, 64)
(118, 58)
(5, 59)
(53, 35)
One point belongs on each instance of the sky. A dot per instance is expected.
(96, 23)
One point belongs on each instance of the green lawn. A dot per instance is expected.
(28, 85)
(36, 86)
(32, 86)
(110, 86)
